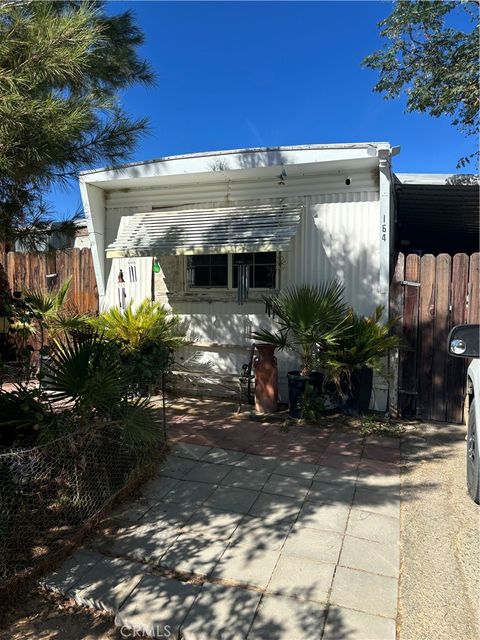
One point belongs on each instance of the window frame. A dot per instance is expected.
(230, 266)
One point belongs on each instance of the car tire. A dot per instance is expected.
(473, 462)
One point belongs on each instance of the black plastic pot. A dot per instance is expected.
(355, 397)
(296, 389)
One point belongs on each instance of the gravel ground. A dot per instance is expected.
(439, 584)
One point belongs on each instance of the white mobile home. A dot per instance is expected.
(179, 229)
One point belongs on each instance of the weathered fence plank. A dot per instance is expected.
(441, 328)
(455, 387)
(29, 271)
(426, 336)
(474, 289)
(410, 328)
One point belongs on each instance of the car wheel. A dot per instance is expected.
(473, 462)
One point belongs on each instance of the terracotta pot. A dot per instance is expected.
(266, 379)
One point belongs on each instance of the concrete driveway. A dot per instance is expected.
(227, 542)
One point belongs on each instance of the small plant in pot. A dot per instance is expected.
(357, 355)
(310, 320)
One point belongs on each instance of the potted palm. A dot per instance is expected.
(357, 355)
(310, 320)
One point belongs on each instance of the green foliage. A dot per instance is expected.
(52, 312)
(62, 65)
(149, 321)
(375, 425)
(86, 372)
(434, 64)
(310, 320)
(365, 342)
(311, 405)
(87, 375)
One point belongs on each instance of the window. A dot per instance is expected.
(207, 271)
(221, 270)
(262, 269)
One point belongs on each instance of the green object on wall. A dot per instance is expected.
(156, 266)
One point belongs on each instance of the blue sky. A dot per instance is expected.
(244, 74)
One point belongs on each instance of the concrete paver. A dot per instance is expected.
(356, 625)
(328, 492)
(247, 565)
(373, 526)
(282, 618)
(71, 571)
(232, 499)
(245, 478)
(326, 517)
(192, 553)
(262, 532)
(251, 461)
(214, 523)
(276, 508)
(296, 469)
(107, 584)
(208, 472)
(221, 612)
(375, 500)
(292, 487)
(365, 591)
(319, 546)
(223, 456)
(144, 543)
(176, 467)
(367, 555)
(191, 451)
(305, 579)
(157, 606)
(189, 493)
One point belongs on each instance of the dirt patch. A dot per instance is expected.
(45, 616)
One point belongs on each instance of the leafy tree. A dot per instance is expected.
(433, 62)
(62, 66)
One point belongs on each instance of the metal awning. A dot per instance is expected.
(240, 229)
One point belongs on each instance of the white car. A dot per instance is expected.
(463, 342)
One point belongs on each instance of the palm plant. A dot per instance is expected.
(149, 321)
(47, 312)
(88, 375)
(364, 343)
(310, 320)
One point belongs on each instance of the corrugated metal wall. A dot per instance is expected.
(338, 237)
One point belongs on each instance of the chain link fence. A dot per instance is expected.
(47, 492)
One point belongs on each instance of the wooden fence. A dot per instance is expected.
(432, 294)
(30, 270)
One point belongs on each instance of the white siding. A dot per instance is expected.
(138, 277)
(338, 237)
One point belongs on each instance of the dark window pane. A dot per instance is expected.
(243, 258)
(198, 261)
(220, 260)
(264, 277)
(267, 257)
(201, 277)
(219, 276)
